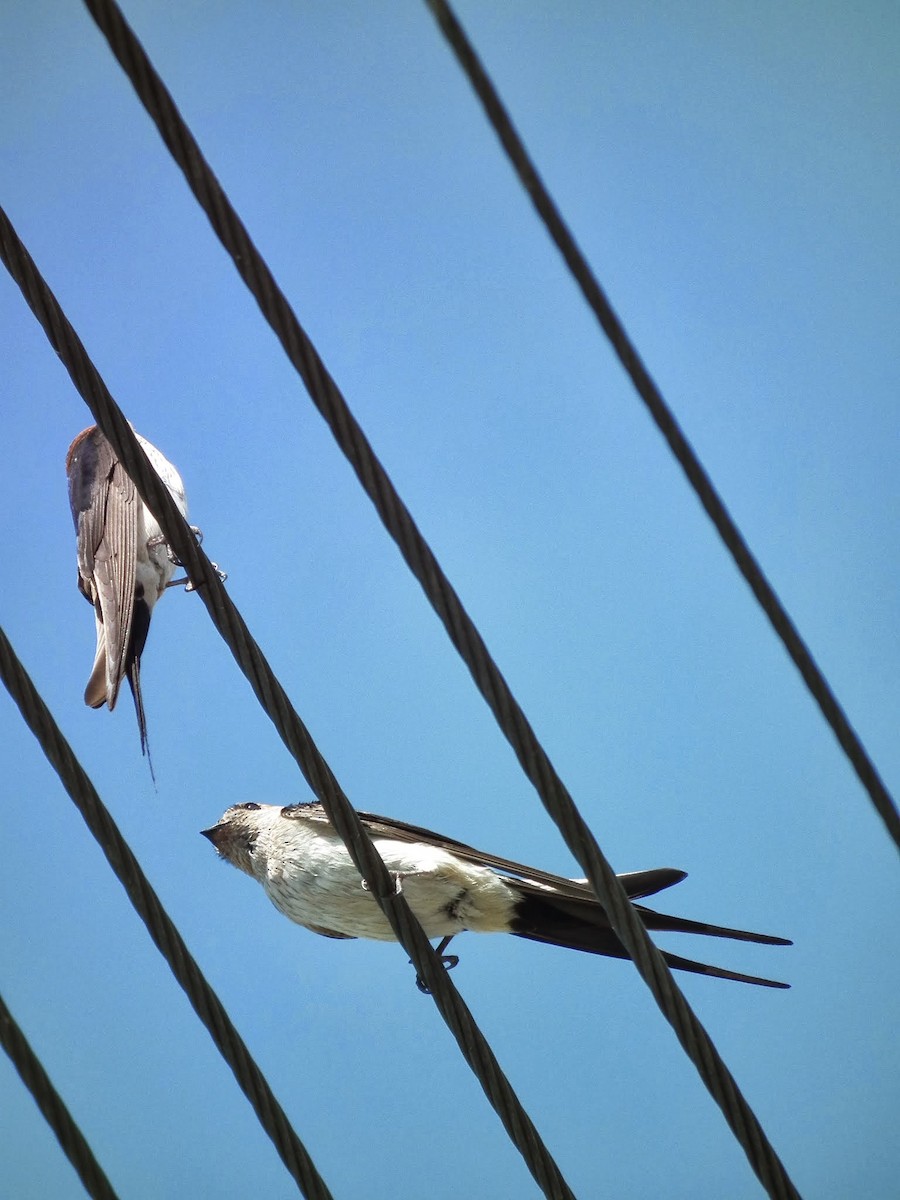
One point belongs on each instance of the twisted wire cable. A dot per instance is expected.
(159, 924)
(53, 1107)
(277, 706)
(665, 420)
(419, 557)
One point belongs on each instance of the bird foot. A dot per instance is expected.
(176, 561)
(189, 586)
(448, 962)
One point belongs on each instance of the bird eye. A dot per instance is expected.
(249, 807)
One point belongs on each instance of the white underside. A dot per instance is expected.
(310, 877)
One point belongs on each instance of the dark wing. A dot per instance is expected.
(105, 510)
(349, 937)
(663, 923)
(568, 914)
(636, 883)
(587, 911)
(594, 940)
(542, 916)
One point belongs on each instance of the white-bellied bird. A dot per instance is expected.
(307, 873)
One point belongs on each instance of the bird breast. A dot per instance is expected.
(154, 567)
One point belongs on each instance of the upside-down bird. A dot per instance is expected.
(307, 873)
(124, 563)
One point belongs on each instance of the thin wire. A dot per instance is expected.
(665, 420)
(53, 1107)
(277, 706)
(418, 555)
(159, 925)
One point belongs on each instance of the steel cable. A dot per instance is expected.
(665, 420)
(418, 555)
(165, 936)
(277, 706)
(53, 1107)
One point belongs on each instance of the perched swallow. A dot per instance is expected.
(307, 873)
(124, 563)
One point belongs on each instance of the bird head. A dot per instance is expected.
(235, 834)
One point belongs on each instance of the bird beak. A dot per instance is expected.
(213, 834)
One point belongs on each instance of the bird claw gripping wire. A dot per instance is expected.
(448, 962)
(189, 586)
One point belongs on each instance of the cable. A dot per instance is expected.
(418, 555)
(665, 420)
(52, 1105)
(277, 706)
(159, 925)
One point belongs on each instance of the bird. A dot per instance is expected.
(306, 871)
(124, 563)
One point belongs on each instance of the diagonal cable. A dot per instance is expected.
(159, 924)
(419, 557)
(421, 560)
(53, 1108)
(277, 706)
(665, 420)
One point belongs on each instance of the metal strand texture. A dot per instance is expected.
(665, 420)
(159, 924)
(276, 704)
(397, 519)
(53, 1108)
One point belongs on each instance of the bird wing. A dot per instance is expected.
(560, 911)
(105, 510)
(636, 883)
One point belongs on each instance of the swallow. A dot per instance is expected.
(124, 563)
(307, 873)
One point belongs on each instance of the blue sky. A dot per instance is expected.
(731, 173)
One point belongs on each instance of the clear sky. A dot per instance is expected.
(732, 172)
